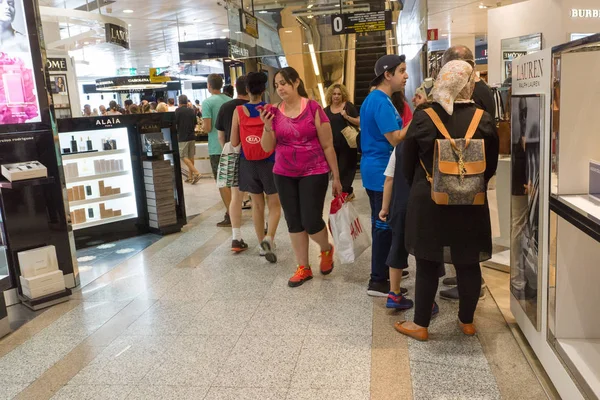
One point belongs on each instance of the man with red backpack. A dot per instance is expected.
(256, 171)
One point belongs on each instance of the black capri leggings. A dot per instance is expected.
(468, 277)
(302, 200)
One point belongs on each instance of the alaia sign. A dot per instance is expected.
(117, 35)
(584, 13)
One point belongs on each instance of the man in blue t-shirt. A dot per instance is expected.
(380, 126)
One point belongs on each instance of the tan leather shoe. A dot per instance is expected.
(420, 334)
(467, 329)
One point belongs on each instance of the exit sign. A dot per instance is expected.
(432, 34)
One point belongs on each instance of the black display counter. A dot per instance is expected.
(122, 175)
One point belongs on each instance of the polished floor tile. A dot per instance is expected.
(334, 362)
(261, 361)
(93, 392)
(437, 381)
(186, 319)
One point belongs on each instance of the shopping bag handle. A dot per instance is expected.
(337, 203)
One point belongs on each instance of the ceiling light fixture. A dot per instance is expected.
(238, 32)
(483, 6)
(223, 37)
(288, 31)
(263, 12)
(310, 6)
(225, 30)
(128, 11)
(322, 93)
(86, 42)
(313, 57)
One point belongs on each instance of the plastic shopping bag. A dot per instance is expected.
(349, 235)
(229, 166)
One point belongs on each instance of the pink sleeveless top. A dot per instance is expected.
(298, 152)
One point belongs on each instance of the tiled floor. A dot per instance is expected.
(186, 319)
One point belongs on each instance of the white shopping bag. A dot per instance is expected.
(349, 235)
(229, 166)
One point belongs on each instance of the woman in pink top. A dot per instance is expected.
(300, 133)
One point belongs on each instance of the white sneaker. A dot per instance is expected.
(266, 250)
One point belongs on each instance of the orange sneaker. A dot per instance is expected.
(302, 275)
(327, 261)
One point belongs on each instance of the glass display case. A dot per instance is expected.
(99, 177)
(574, 240)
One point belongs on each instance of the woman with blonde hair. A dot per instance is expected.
(162, 107)
(342, 113)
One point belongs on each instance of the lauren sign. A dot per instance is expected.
(584, 13)
(117, 35)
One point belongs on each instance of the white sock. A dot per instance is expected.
(237, 233)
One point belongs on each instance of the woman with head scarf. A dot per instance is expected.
(459, 235)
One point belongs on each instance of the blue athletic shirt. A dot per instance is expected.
(378, 116)
(254, 113)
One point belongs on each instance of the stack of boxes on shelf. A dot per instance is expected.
(158, 179)
(107, 190)
(109, 212)
(40, 275)
(106, 166)
(71, 170)
(77, 193)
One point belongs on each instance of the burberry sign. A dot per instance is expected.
(118, 35)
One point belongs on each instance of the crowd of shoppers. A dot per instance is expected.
(286, 156)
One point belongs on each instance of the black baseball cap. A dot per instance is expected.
(387, 62)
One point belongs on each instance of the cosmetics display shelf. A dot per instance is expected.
(5, 184)
(93, 153)
(102, 221)
(78, 203)
(95, 177)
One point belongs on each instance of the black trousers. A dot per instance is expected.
(468, 278)
(347, 159)
(302, 200)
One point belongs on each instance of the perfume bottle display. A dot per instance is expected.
(18, 102)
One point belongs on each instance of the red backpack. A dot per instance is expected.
(251, 130)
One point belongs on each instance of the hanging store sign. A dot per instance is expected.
(361, 22)
(155, 78)
(481, 54)
(249, 24)
(138, 82)
(118, 35)
(584, 13)
(56, 64)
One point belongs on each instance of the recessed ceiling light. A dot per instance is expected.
(225, 30)
(128, 11)
(129, 24)
(238, 32)
(86, 42)
(223, 37)
(263, 12)
(288, 31)
(309, 16)
(310, 6)
(483, 6)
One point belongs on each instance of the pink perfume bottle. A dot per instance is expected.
(13, 88)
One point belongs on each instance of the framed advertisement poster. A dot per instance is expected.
(527, 127)
(20, 62)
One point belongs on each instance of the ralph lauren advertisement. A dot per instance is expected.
(527, 121)
(18, 100)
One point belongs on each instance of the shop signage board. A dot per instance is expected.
(530, 140)
(118, 35)
(249, 24)
(361, 22)
(481, 54)
(18, 101)
(511, 55)
(56, 64)
(155, 78)
(432, 34)
(584, 13)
